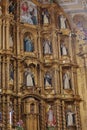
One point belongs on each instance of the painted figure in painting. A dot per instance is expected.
(48, 80)
(28, 13)
(45, 16)
(67, 80)
(33, 17)
(51, 120)
(29, 78)
(47, 47)
(28, 45)
(24, 8)
(63, 48)
(62, 22)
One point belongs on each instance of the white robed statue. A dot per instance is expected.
(63, 49)
(47, 47)
(29, 78)
(67, 80)
(70, 118)
(62, 22)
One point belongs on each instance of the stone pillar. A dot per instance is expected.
(63, 115)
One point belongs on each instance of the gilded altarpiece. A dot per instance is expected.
(38, 68)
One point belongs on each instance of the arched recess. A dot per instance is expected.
(31, 112)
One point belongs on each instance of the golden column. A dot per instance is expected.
(7, 72)
(8, 123)
(4, 112)
(77, 112)
(63, 116)
(58, 115)
(7, 34)
(3, 35)
(3, 73)
(43, 116)
(0, 34)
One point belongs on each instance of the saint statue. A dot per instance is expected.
(29, 78)
(62, 21)
(28, 45)
(67, 80)
(51, 121)
(48, 80)
(47, 47)
(45, 16)
(63, 48)
(70, 118)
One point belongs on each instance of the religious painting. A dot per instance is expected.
(28, 12)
